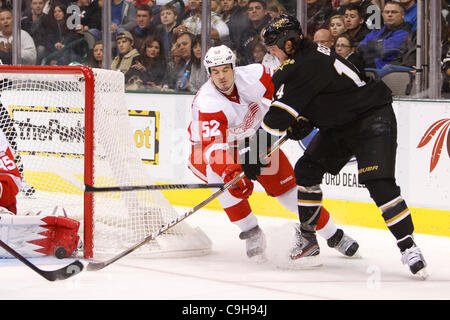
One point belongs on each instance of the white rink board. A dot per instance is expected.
(420, 187)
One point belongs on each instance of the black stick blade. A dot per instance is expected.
(64, 273)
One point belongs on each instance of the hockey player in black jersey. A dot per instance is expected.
(314, 87)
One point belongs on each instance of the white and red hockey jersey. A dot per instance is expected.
(219, 120)
(10, 179)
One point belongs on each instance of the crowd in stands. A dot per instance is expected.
(157, 44)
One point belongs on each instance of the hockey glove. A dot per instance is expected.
(243, 188)
(299, 129)
(252, 169)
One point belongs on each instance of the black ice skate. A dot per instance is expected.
(255, 242)
(343, 243)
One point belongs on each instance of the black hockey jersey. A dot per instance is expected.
(323, 87)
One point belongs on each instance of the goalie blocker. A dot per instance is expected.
(37, 236)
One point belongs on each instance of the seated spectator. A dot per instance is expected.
(220, 33)
(127, 53)
(164, 31)
(446, 75)
(258, 51)
(337, 26)
(234, 14)
(355, 24)
(62, 36)
(95, 59)
(179, 61)
(275, 8)
(27, 50)
(410, 7)
(144, 26)
(380, 47)
(196, 74)
(346, 49)
(150, 67)
(323, 37)
(123, 18)
(318, 14)
(38, 25)
(258, 18)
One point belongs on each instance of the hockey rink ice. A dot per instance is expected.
(227, 274)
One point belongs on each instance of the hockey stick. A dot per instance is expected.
(94, 266)
(60, 274)
(91, 189)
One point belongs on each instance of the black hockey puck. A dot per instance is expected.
(60, 253)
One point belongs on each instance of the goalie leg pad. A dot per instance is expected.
(36, 236)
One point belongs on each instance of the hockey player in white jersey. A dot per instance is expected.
(227, 109)
(30, 235)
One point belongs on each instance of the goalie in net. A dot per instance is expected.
(30, 235)
(226, 112)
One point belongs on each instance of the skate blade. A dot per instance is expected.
(259, 259)
(311, 262)
(422, 274)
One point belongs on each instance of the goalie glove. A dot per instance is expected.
(299, 129)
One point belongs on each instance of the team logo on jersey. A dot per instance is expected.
(285, 63)
(441, 128)
(248, 121)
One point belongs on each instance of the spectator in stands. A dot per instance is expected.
(380, 47)
(27, 50)
(196, 76)
(144, 26)
(323, 37)
(220, 33)
(216, 6)
(234, 14)
(38, 25)
(337, 26)
(346, 49)
(446, 76)
(179, 61)
(123, 18)
(95, 59)
(63, 36)
(275, 8)
(258, 51)
(410, 7)
(164, 31)
(318, 14)
(258, 18)
(127, 53)
(150, 66)
(354, 23)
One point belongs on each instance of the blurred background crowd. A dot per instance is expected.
(158, 44)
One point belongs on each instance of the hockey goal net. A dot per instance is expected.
(69, 126)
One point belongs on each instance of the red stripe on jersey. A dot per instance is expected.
(266, 80)
(239, 211)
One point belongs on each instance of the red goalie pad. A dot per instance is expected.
(61, 238)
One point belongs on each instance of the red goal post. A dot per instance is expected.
(71, 127)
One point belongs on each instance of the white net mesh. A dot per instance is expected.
(43, 118)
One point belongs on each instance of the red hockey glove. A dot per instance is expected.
(243, 188)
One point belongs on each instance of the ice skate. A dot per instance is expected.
(305, 252)
(255, 242)
(344, 244)
(414, 259)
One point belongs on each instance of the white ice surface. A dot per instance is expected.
(227, 273)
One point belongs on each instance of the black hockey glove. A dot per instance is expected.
(299, 129)
(251, 170)
(252, 151)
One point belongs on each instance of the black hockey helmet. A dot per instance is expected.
(279, 30)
